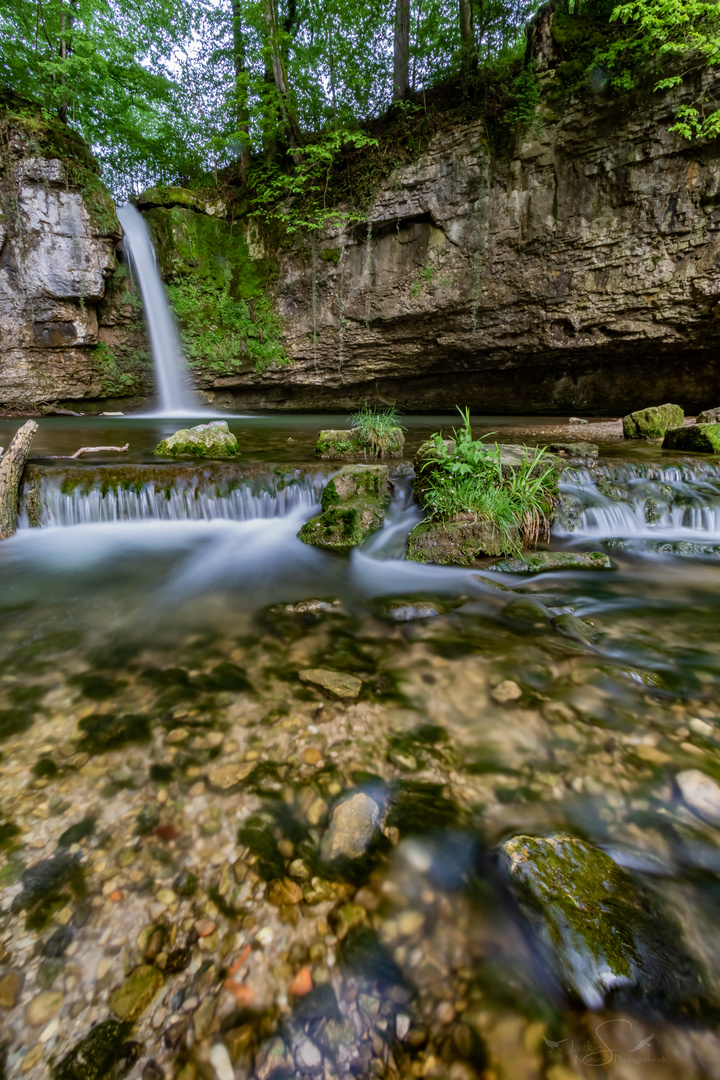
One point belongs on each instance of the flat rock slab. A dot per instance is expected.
(353, 824)
(228, 778)
(698, 438)
(653, 422)
(335, 682)
(538, 562)
(574, 449)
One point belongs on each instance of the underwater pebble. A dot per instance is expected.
(335, 682)
(701, 794)
(43, 1007)
(220, 1061)
(352, 827)
(506, 691)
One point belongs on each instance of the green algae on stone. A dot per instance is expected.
(133, 997)
(103, 733)
(698, 438)
(105, 1053)
(603, 933)
(538, 562)
(653, 422)
(353, 506)
(214, 441)
(459, 541)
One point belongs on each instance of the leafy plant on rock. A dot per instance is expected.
(468, 476)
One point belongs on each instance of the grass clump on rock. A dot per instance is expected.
(481, 499)
(374, 432)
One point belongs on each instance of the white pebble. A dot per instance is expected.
(50, 1030)
(701, 794)
(220, 1061)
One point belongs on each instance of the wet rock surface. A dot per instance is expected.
(698, 438)
(353, 506)
(653, 422)
(213, 441)
(538, 562)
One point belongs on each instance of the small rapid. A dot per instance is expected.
(675, 503)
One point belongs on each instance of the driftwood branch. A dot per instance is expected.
(12, 464)
(87, 450)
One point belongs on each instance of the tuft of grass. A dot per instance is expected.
(377, 427)
(470, 479)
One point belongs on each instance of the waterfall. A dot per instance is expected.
(175, 397)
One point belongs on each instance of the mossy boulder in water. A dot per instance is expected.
(214, 440)
(336, 445)
(105, 1053)
(652, 423)
(458, 541)
(700, 438)
(603, 933)
(353, 506)
(131, 999)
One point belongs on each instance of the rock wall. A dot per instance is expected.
(579, 271)
(63, 334)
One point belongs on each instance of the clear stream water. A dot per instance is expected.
(161, 595)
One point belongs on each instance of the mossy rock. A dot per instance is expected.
(538, 562)
(131, 999)
(699, 439)
(653, 422)
(574, 449)
(334, 445)
(167, 196)
(603, 934)
(353, 506)
(213, 440)
(458, 542)
(105, 1053)
(337, 445)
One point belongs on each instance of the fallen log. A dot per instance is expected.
(12, 464)
(84, 450)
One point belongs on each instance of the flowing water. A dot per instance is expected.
(172, 766)
(175, 397)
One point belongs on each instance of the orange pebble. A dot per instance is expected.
(242, 994)
(116, 896)
(302, 983)
(205, 927)
(240, 960)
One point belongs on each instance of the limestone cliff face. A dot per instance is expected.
(578, 270)
(58, 233)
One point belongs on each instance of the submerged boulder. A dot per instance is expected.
(603, 933)
(574, 449)
(214, 440)
(458, 541)
(337, 445)
(700, 438)
(353, 506)
(652, 423)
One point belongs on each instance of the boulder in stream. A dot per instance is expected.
(214, 440)
(708, 416)
(458, 541)
(602, 932)
(698, 438)
(338, 444)
(653, 422)
(353, 506)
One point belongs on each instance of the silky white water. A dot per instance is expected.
(175, 398)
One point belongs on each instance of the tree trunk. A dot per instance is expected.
(242, 115)
(401, 53)
(279, 74)
(468, 48)
(12, 464)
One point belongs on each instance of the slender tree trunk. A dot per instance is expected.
(468, 47)
(12, 464)
(241, 94)
(63, 57)
(332, 75)
(401, 52)
(279, 74)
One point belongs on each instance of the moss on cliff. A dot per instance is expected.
(217, 291)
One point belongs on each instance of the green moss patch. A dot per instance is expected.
(699, 438)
